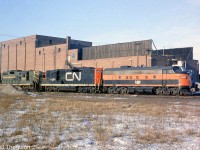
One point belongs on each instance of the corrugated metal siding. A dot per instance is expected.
(117, 50)
(177, 53)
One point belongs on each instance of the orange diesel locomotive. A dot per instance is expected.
(172, 80)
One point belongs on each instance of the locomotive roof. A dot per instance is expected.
(74, 69)
(140, 68)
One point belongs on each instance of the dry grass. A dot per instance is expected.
(107, 120)
(110, 107)
(6, 102)
(102, 134)
(56, 142)
(150, 136)
(17, 132)
(191, 132)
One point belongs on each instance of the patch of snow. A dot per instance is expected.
(87, 97)
(119, 98)
(55, 114)
(100, 97)
(120, 141)
(134, 95)
(1, 121)
(32, 94)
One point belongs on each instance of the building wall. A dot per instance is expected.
(135, 48)
(161, 60)
(18, 54)
(51, 57)
(42, 41)
(109, 62)
(194, 66)
(177, 53)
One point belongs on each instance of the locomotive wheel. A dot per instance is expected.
(122, 91)
(55, 89)
(92, 90)
(159, 91)
(79, 90)
(183, 92)
(174, 91)
(110, 90)
(84, 90)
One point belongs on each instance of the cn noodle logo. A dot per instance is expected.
(70, 76)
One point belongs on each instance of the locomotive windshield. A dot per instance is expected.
(178, 69)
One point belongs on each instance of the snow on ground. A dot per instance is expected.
(40, 124)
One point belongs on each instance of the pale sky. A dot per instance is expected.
(170, 23)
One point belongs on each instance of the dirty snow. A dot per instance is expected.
(63, 130)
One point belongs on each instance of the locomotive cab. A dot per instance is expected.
(185, 81)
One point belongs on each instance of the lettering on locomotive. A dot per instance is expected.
(70, 76)
(137, 82)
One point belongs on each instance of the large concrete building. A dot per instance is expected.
(43, 53)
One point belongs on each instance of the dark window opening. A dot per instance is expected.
(4, 45)
(154, 76)
(137, 77)
(59, 49)
(146, 77)
(130, 77)
(39, 52)
(20, 42)
(119, 77)
(177, 69)
(50, 41)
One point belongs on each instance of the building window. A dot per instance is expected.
(50, 41)
(137, 77)
(4, 45)
(130, 77)
(154, 76)
(20, 42)
(126, 77)
(59, 49)
(39, 52)
(73, 56)
(119, 77)
(146, 77)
